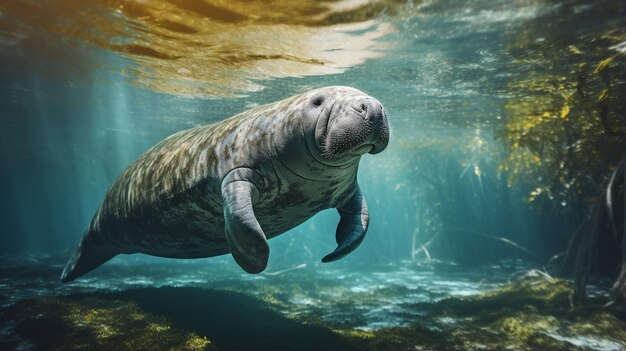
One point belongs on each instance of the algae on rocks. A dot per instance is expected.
(532, 313)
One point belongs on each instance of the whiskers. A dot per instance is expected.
(326, 152)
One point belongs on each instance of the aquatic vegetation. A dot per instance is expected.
(530, 314)
(159, 319)
(564, 126)
(565, 135)
(89, 323)
(302, 309)
(562, 130)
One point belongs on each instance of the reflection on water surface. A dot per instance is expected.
(213, 48)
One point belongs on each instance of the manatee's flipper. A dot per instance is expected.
(352, 226)
(89, 254)
(246, 239)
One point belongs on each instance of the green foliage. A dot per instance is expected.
(159, 319)
(533, 313)
(91, 323)
(529, 314)
(565, 122)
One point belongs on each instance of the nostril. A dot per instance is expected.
(361, 109)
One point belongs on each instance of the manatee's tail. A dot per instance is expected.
(89, 255)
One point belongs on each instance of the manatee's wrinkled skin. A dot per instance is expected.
(229, 186)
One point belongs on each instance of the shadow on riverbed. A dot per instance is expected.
(158, 318)
(233, 320)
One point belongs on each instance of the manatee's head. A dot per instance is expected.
(344, 123)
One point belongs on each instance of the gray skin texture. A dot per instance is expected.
(230, 186)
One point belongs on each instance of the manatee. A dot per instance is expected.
(227, 187)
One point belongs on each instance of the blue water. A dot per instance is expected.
(442, 75)
(352, 290)
(77, 107)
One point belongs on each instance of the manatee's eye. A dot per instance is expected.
(318, 101)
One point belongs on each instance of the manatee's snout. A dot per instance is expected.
(375, 118)
(356, 125)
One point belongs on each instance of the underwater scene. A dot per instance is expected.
(398, 175)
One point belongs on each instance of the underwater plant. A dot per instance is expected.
(565, 135)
